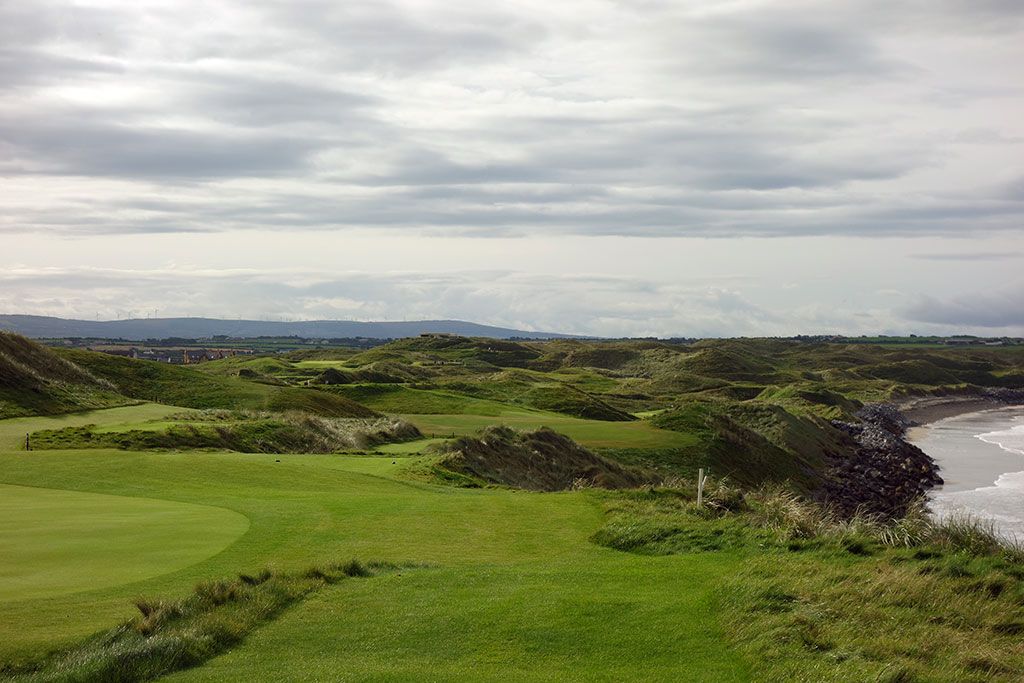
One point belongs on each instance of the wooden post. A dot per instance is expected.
(28, 446)
(700, 487)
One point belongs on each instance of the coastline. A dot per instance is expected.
(885, 472)
(929, 409)
(983, 478)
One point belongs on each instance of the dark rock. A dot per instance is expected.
(884, 474)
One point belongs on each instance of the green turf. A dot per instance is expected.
(56, 542)
(515, 589)
(591, 433)
(320, 364)
(514, 582)
(12, 432)
(407, 447)
(593, 618)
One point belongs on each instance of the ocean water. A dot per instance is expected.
(981, 456)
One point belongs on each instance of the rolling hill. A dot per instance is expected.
(34, 380)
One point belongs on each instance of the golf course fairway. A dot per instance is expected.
(495, 584)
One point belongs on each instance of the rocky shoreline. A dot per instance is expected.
(885, 474)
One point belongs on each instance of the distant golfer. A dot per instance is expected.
(28, 446)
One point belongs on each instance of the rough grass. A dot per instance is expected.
(754, 443)
(851, 615)
(36, 381)
(828, 599)
(190, 387)
(171, 635)
(242, 432)
(542, 460)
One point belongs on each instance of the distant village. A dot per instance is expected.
(180, 356)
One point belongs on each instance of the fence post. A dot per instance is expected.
(700, 487)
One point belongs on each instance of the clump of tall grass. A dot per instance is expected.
(171, 635)
(243, 431)
(794, 517)
(322, 434)
(641, 520)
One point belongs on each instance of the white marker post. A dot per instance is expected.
(700, 487)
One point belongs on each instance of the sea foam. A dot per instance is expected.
(954, 443)
(1008, 439)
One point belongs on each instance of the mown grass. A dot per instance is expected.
(517, 587)
(171, 635)
(393, 398)
(828, 599)
(55, 542)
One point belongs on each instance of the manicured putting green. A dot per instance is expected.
(54, 542)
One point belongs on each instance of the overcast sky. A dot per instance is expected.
(641, 167)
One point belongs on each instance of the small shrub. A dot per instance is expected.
(355, 568)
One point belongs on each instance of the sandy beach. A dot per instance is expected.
(931, 409)
(981, 456)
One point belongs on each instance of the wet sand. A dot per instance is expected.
(981, 456)
(934, 408)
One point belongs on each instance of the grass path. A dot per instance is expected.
(515, 589)
(598, 620)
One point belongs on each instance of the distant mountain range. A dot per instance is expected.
(38, 326)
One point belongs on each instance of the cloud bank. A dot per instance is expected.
(588, 117)
(590, 166)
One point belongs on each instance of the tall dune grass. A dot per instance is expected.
(826, 598)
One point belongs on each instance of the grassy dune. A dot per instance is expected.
(35, 380)
(183, 386)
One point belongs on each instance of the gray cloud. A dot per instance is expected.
(655, 119)
(575, 303)
(987, 309)
(63, 146)
(973, 256)
(387, 36)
